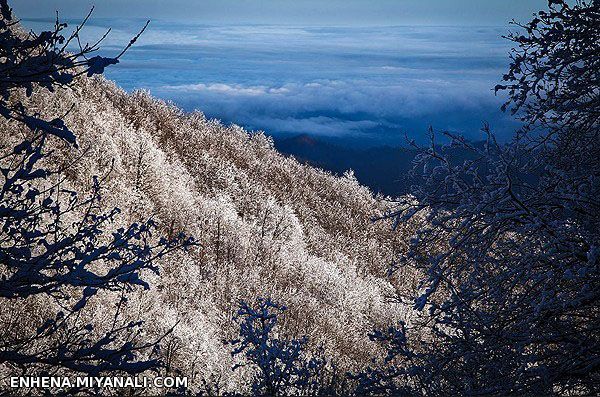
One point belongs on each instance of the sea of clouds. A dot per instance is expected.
(372, 85)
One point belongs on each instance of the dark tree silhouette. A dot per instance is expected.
(281, 366)
(554, 78)
(509, 301)
(54, 244)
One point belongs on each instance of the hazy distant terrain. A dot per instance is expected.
(384, 169)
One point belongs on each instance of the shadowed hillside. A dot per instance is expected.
(386, 170)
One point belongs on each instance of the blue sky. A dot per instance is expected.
(317, 71)
(298, 12)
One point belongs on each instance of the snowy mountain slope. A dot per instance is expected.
(268, 227)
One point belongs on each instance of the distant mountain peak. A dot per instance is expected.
(304, 139)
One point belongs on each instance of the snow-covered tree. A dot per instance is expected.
(509, 298)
